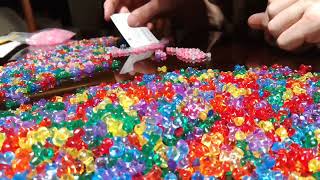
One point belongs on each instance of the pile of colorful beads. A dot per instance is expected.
(261, 123)
(44, 68)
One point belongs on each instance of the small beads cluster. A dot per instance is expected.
(43, 69)
(261, 123)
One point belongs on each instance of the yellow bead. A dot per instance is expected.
(158, 145)
(163, 69)
(115, 127)
(140, 128)
(67, 177)
(132, 113)
(61, 136)
(72, 152)
(202, 116)
(86, 157)
(297, 89)
(266, 126)
(42, 134)
(287, 95)
(25, 143)
(206, 140)
(73, 100)
(256, 154)
(125, 101)
(238, 152)
(59, 99)
(282, 132)
(240, 76)
(316, 134)
(240, 135)
(2, 139)
(142, 140)
(181, 78)
(217, 138)
(238, 121)
(314, 165)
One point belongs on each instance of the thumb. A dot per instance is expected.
(258, 21)
(143, 14)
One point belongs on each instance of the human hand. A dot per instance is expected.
(291, 22)
(142, 11)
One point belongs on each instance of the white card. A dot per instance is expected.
(129, 64)
(136, 37)
(8, 47)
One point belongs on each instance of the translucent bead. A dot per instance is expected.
(282, 132)
(60, 136)
(41, 135)
(202, 116)
(314, 165)
(266, 126)
(240, 135)
(238, 121)
(2, 139)
(140, 128)
(170, 176)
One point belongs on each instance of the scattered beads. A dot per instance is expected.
(261, 123)
(43, 69)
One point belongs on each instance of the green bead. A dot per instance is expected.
(242, 145)
(316, 97)
(127, 157)
(243, 162)
(165, 171)
(5, 114)
(169, 142)
(58, 106)
(86, 176)
(147, 149)
(35, 161)
(116, 65)
(128, 127)
(154, 139)
(12, 104)
(310, 142)
(47, 153)
(316, 175)
(26, 116)
(273, 120)
(37, 150)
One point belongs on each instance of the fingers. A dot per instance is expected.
(258, 21)
(277, 6)
(124, 9)
(143, 14)
(110, 7)
(286, 18)
(307, 29)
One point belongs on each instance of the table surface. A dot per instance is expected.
(225, 55)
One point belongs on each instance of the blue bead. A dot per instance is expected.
(170, 176)
(197, 176)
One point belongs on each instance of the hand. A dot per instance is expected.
(291, 22)
(142, 10)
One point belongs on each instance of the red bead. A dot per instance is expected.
(179, 132)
